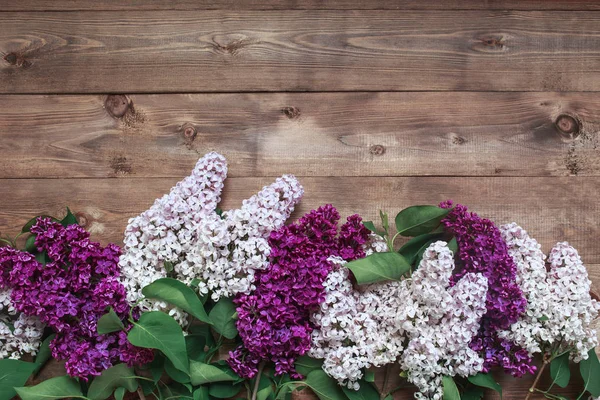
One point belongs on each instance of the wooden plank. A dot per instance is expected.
(232, 51)
(307, 134)
(551, 209)
(139, 5)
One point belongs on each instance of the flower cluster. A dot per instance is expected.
(274, 319)
(19, 333)
(183, 235)
(439, 322)
(482, 249)
(559, 306)
(74, 286)
(355, 329)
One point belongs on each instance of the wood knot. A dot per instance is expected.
(459, 140)
(17, 60)
(489, 44)
(377, 150)
(189, 132)
(117, 105)
(291, 112)
(120, 165)
(83, 219)
(568, 126)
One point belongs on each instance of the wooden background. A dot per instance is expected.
(373, 104)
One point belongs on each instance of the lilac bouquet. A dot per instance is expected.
(203, 303)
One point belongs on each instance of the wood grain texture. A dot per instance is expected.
(139, 5)
(227, 51)
(552, 209)
(306, 134)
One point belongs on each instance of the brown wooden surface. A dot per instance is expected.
(480, 101)
(296, 50)
(307, 134)
(137, 5)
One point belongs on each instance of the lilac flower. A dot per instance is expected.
(69, 294)
(482, 249)
(274, 320)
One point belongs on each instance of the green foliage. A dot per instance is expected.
(202, 373)
(222, 390)
(157, 330)
(119, 393)
(13, 373)
(305, 364)
(450, 389)
(175, 374)
(486, 381)
(223, 316)
(366, 392)
(323, 386)
(371, 226)
(109, 322)
(60, 387)
(118, 376)
(178, 294)
(418, 220)
(369, 376)
(201, 393)
(590, 372)
(43, 354)
(559, 370)
(379, 267)
(413, 249)
(472, 393)
(69, 219)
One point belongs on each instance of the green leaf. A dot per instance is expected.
(369, 376)
(323, 386)
(27, 227)
(178, 294)
(417, 245)
(175, 374)
(202, 373)
(371, 226)
(13, 373)
(366, 392)
(119, 393)
(590, 372)
(472, 393)
(450, 389)
(222, 315)
(30, 244)
(196, 347)
(418, 220)
(453, 245)
(118, 376)
(61, 387)
(305, 364)
(486, 381)
(157, 330)
(69, 219)
(222, 390)
(43, 354)
(379, 267)
(560, 371)
(109, 322)
(201, 393)
(384, 221)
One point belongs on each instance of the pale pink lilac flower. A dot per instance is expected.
(182, 230)
(19, 334)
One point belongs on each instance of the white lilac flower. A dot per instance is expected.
(560, 309)
(183, 232)
(439, 322)
(356, 329)
(19, 334)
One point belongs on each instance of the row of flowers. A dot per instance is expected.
(314, 303)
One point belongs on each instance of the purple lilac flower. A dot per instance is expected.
(70, 293)
(481, 248)
(274, 320)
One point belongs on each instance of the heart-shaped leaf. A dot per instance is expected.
(202, 373)
(109, 322)
(590, 372)
(222, 317)
(323, 386)
(379, 267)
(157, 330)
(559, 370)
(13, 373)
(118, 376)
(450, 389)
(486, 381)
(418, 220)
(61, 387)
(178, 294)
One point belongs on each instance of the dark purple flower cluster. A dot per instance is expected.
(274, 320)
(69, 293)
(482, 249)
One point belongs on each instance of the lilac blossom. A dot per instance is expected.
(274, 319)
(481, 248)
(69, 292)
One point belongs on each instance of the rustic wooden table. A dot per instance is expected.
(376, 104)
